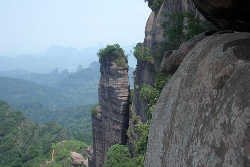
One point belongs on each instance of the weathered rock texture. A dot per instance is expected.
(226, 14)
(111, 120)
(203, 116)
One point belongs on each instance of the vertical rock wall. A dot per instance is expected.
(110, 122)
(154, 35)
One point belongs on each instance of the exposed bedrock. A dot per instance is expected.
(202, 118)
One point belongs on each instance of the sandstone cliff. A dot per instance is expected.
(110, 121)
(202, 117)
(154, 37)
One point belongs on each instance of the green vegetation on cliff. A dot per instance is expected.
(119, 156)
(154, 4)
(181, 27)
(113, 53)
(151, 94)
(94, 111)
(142, 53)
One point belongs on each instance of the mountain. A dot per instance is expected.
(55, 90)
(17, 91)
(54, 57)
(24, 143)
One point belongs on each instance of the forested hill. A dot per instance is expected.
(55, 90)
(18, 91)
(24, 143)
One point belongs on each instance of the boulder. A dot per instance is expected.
(172, 59)
(202, 118)
(226, 14)
(77, 159)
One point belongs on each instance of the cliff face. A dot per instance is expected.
(147, 72)
(154, 36)
(110, 121)
(154, 33)
(202, 117)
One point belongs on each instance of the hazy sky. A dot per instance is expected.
(34, 25)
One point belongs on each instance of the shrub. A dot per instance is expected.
(161, 80)
(113, 53)
(142, 53)
(94, 111)
(181, 27)
(149, 93)
(142, 130)
(119, 156)
(154, 4)
(140, 133)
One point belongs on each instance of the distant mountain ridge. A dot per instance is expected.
(54, 57)
(59, 57)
